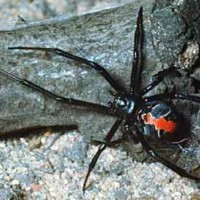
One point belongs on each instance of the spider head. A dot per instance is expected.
(122, 104)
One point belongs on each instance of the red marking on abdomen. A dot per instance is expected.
(160, 123)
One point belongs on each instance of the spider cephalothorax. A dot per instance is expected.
(123, 104)
(141, 115)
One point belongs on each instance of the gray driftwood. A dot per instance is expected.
(105, 37)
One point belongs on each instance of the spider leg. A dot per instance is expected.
(137, 55)
(71, 101)
(160, 97)
(150, 151)
(157, 78)
(102, 71)
(101, 148)
(162, 160)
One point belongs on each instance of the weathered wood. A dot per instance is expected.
(105, 37)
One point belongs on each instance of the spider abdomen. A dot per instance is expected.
(157, 118)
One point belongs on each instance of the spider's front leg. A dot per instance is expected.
(101, 70)
(137, 63)
(160, 97)
(157, 78)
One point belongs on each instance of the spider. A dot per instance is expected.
(141, 116)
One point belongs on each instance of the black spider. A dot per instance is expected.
(141, 116)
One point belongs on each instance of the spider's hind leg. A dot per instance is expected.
(101, 148)
(152, 153)
(64, 100)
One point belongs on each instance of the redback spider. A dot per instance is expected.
(141, 117)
